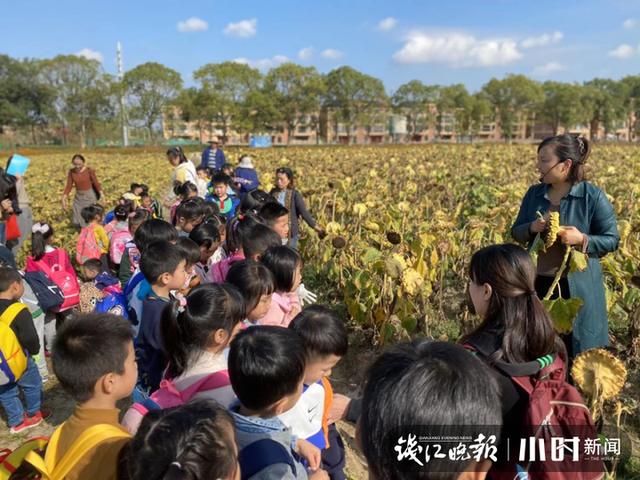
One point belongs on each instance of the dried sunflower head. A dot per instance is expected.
(394, 238)
(551, 234)
(599, 374)
(339, 242)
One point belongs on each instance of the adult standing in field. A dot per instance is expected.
(588, 224)
(183, 171)
(88, 189)
(213, 157)
(287, 196)
(24, 212)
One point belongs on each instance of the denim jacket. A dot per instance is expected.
(587, 208)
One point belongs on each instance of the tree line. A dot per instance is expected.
(72, 99)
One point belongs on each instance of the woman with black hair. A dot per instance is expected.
(286, 194)
(588, 224)
(88, 189)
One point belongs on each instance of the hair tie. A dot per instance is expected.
(533, 293)
(182, 303)
(241, 217)
(580, 145)
(40, 228)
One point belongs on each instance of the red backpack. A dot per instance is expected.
(554, 415)
(61, 274)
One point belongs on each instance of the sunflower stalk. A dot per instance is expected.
(556, 279)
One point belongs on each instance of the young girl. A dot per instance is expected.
(188, 215)
(196, 330)
(45, 258)
(221, 252)
(93, 241)
(255, 283)
(588, 224)
(207, 237)
(192, 441)
(183, 193)
(119, 222)
(285, 264)
(237, 229)
(191, 252)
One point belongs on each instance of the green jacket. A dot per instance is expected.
(587, 208)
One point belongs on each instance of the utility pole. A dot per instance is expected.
(123, 113)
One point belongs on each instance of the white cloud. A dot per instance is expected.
(193, 24)
(387, 23)
(305, 53)
(263, 63)
(542, 40)
(547, 69)
(630, 23)
(623, 51)
(242, 29)
(457, 50)
(90, 54)
(332, 54)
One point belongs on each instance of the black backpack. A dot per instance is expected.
(48, 293)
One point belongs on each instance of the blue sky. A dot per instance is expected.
(440, 42)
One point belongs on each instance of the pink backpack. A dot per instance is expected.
(119, 240)
(87, 246)
(61, 273)
(168, 396)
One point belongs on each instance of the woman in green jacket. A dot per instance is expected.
(588, 224)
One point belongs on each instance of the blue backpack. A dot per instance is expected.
(48, 293)
(259, 455)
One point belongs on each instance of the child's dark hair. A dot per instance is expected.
(570, 147)
(8, 276)
(514, 306)
(154, 230)
(237, 228)
(252, 279)
(177, 152)
(191, 441)
(90, 212)
(265, 364)
(258, 240)
(209, 209)
(127, 203)
(88, 346)
(190, 209)
(160, 258)
(138, 218)
(205, 234)
(220, 178)
(40, 239)
(145, 189)
(463, 401)
(288, 173)
(189, 250)
(93, 264)
(183, 190)
(282, 261)
(134, 186)
(201, 168)
(121, 212)
(322, 331)
(272, 211)
(187, 330)
(254, 200)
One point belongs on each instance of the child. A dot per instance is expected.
(156, 206)
(146, 203)
(434, 386)
(191, 253)
(221, 252)
(276, 217)
(255, 283)
(45, 258)
(163, 266)
(253, 201)
(119, 222)
(170, 444)
(183, 192)
(196, 335)
(207, 237)
(93, 271)
(219, 194)
(285, 264)
(325, 338)
(18, 371)
(188, 215)
(202, 180)
(266, 368)
(93, 241)
(94, 361)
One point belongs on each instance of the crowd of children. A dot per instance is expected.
(200, 321)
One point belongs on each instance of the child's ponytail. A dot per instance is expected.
(41, 232)
(187, 325)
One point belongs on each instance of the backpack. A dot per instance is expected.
(68, 282)
(39, 454)
(555, 408)
(48, 293)
(261, 454)
(168, 396)
(13, 357)
(119, 241)
(87, 245)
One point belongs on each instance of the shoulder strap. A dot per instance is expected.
(88, 440)
(259, 455)
(12, 311)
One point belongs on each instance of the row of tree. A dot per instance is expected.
(75, 99)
